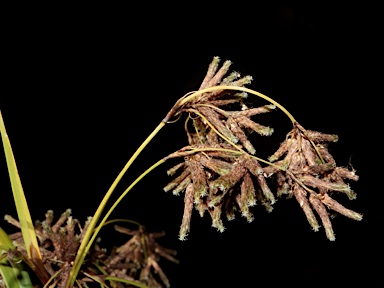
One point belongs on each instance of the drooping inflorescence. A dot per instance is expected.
(311, 175)
(220, 173)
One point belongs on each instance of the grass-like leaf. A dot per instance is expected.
(12, 274)
(5, 242)
(26, 224)
(92, 230)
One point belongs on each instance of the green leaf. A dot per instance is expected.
(5, 241)
(26, 224)
(14, 277)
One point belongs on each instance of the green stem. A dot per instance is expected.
(134, 283)
(224, 87)
(102, 222)
(85, 245)
(188, 98)
(122, 220)
(92, 232)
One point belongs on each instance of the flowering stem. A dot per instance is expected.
(225, 113)
(196, 150)
(188, 98)
(122, 220)
(102, 222)
(87, 241)
(302, 184)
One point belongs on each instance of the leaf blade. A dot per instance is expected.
(24, 216)
(15, 277)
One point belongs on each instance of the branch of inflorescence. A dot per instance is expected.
(92, 230)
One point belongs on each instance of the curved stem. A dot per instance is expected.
(84, 246)
(46, 285)
(302, 184)
(126, 281)
(187, 98)
(310, 140)
(196, 150)
(122, 220)
(97, 230)
(224, 87)
(221, 111)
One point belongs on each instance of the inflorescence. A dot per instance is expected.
(220, 173)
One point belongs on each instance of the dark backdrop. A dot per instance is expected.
(83, 87)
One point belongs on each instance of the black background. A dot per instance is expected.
(84, 86)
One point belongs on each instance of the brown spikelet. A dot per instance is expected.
(221, 169)
(301, 198)
(188, 206)
(239, 133)
(214, 118)
(211, 72)
(308, 163)
(321, 210)
(336, 206)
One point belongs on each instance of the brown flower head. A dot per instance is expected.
(309, 173)
(219, 174)
(138, 257)
(218, 181)
(58, 243)
(136, 260)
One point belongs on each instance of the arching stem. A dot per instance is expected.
(182, 101)
(91, 232)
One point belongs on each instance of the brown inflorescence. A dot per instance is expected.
(58, 243)
(309, 172)
(135, 260)
(221, 175)
(217, 174)
(138, 258)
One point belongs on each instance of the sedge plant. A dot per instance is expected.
(220, 173)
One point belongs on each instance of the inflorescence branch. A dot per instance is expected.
(220, 173)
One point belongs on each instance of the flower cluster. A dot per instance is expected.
(309, 173)
(58, 244)
(217, 174)
(138, 257)
(220, 173)
(219, 180)
(134, 261)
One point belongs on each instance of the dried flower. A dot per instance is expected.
(59, 243)
(221, 175)
(310, 173)
(138, 257)
(216, 171)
